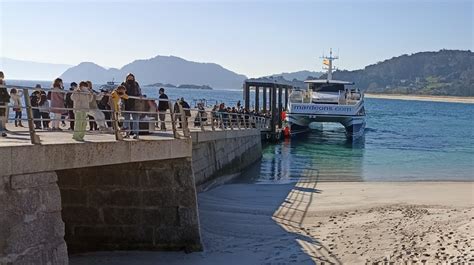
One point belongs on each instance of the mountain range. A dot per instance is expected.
(445, 72)
(299, 75)
(164, 69)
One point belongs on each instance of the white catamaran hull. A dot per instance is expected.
(351, 117)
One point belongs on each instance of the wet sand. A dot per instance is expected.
(339, 223)
(468, 100)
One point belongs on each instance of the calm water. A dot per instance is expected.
(404, 141)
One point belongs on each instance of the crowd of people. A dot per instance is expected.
(82, 105)
(235, 116)
(120, 109)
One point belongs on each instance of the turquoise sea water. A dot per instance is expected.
(404, 141)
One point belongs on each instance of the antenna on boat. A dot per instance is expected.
(327, 61)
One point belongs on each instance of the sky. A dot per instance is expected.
(254, 38)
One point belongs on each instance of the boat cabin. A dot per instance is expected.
(323, 91)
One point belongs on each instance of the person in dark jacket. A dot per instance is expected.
(4, 100)
(177, 113)
(103, 104)
(163, 106)
(35, 99)
(70, 105)
(43, 105)
(132, 120)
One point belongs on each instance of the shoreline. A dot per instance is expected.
(333, 222)
(450, 99)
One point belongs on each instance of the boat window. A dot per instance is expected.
(296, 96)
(326, 87)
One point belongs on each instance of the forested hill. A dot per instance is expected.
(446, 72)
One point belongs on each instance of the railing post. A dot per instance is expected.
(29, 113)
(184, 121)
(231, 120)
(200, 120)
(221, 118)
(173, 121)
(238, 121)
(116, 127)
(212, 120)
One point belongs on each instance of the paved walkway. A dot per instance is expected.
(18, 136)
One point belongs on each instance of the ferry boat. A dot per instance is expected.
(327, 100)
(111, 85)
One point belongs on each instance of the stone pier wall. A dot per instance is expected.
(223, 153)
(31, 228)
(138, 206)
(111, 196)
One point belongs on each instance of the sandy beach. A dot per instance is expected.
(336, 223)
(468, 100)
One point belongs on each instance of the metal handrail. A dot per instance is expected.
(214, 119)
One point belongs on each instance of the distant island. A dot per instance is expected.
(188, 86)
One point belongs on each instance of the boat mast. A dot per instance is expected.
(328, 62)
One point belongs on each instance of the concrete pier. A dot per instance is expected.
(96, 196)
(223, 154)
(63, 197)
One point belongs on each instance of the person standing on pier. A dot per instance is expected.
(70, 105)
(94, 112)
(81, 100)
(16, 98)
(4, 100)
(35, 99)
(163, 106)
(132, 120)
(43, 105)
(120, 93)
(57, 104)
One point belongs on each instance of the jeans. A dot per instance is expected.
(162, 117)
(36, 118)
(18, 117)
(3, 116)
(45, 118)
(71, 117)
(132, 122)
